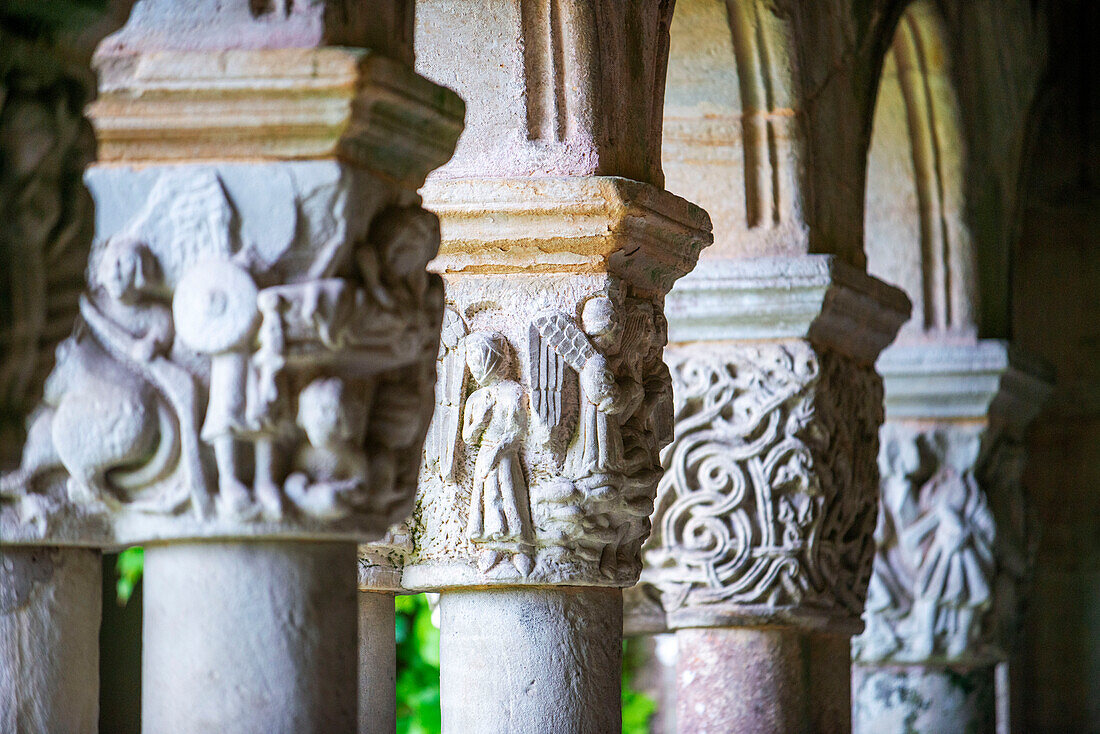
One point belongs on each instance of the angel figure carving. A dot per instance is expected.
(594, 351)
(495, 422)
(955, 536)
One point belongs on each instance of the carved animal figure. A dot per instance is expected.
(100, 423)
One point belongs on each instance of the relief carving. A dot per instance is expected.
(766, 505)
(942, 567)
(557, 449)
(241, 377)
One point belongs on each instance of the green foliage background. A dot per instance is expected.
(418, 660)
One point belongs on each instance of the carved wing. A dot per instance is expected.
(638, 331)
(564, 336)
(187, 219)
(450, 387)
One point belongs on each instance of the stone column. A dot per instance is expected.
(761, 541)
(954, 538)
(251, 375)
(49, 594)
(559, 245)
(379, 580)
(762, 530)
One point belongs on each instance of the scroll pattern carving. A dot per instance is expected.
(542, 458)
(953, 547)
(767, 504)
(243, 371)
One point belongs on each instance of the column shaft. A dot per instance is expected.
(536, 660)
(923, 699)
(50, 606)
(761, 679)
(250, 637)
(377, 664)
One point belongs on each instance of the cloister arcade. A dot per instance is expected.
(763, 331)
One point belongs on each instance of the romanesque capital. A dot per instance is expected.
(552, 402)
(254, 351)
(558, 249)
(766, 508)
(954, 541)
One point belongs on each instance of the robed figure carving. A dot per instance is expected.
(495, 422)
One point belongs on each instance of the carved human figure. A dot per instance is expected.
(216, 314)
(330, 470)
(402, 240)
(953, 585)
(605, 401)
(136, 296)
(495, 422)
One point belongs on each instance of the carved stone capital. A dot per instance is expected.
(766, 508)
(955, 540)
(765, 511)
(552, 400)
(254, 351)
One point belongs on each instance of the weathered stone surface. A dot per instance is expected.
(218, 25)
(49, 639)
(249, 326)
(955, 537)
(542, 457)
(764, 512)
(251, 637)
(923, 699)
(768, 680)
(556, 87)
(181, 388)
(274, 104)
(377, 664)
(531, 660)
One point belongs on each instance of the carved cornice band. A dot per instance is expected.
(937, 381)
(818, 297)
(284, 104)
(579, 225)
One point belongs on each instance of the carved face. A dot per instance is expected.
(600, 321)
(125, 270)
(330, 414)
(486, 355)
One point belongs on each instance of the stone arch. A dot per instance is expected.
(916, 231)
(767, 118)
(949, 142)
